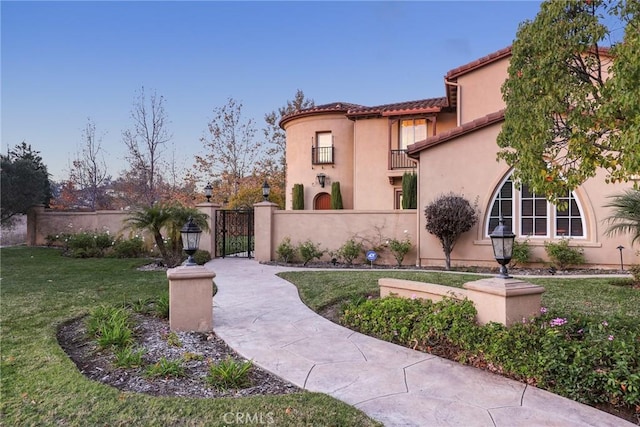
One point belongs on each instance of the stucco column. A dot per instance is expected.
(32, 224)
(263, 230)
(207, 239)
(191, 298)
(505, 301)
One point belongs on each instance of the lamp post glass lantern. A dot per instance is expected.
(190, 234)
(208, 191)
(266, 189)
(502, 241)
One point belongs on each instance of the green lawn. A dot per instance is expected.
(594, 296)
(40, 289)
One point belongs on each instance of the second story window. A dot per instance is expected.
(412, 131)
(322, 151)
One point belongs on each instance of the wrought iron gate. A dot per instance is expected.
(234, 233)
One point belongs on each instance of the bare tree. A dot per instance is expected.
(88, 171)
(145, 143)
(232, 151)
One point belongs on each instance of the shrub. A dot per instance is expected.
(521, 253)
(563, 255)
(309, 251)
(166, 368)
(350, 251)
(635, 272)
(448, 216)
(585, 358)
(129, 248)
(409, 191)
(161, 306)
(110, 326)
(128, 357)
(400, 248)
(285, 250)
(336, 196)
(202, 257)
(297, 201)
(229, 373)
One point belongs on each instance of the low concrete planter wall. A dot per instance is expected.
(505, 301)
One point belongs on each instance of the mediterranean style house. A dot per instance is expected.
(450, 143)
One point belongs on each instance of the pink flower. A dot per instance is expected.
(558, 321)
(610, 337)
(605, 323)
(543, 310)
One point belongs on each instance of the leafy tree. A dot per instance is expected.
(24, 182)
(336, 196)
(409, 191)
(164, 222)
(232, 150)
(571, 106)
(626, 214)
(145, 143)
(448, 216)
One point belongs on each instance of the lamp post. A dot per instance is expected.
(620, 248)
(502, 241)
(208, 191)
(266, 189)
(190, 234)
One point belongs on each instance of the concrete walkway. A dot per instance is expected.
(261, 317)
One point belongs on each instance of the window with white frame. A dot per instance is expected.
(530, 215)
(323, 150)
(412, 131)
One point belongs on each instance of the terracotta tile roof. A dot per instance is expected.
(334, 107)
(428, 105)
(480, 62)
(414, 149)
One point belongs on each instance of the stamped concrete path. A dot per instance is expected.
(261, 317)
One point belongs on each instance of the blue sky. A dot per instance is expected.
(63, 62)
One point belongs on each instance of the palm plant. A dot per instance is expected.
(168, 219)
(626, 214)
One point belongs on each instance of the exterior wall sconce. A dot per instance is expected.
(321, 179)
(266, 189)
(208, 191)
(502, 241)
(190, 234)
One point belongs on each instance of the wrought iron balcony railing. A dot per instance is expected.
(322, 155)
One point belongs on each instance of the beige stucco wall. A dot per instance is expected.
(301, 135)
(43, 222)
(331, 229)
(468, 166)
(479, 91)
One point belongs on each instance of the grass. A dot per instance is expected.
(593, 296)
(40, 385)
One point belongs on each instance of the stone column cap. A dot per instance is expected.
(504, 287)
(185, 272)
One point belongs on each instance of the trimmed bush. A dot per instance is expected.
(563, 255)
(336, 196)
(409, 190)
(297, 201)
(202, 257)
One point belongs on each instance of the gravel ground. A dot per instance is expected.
(151, 333)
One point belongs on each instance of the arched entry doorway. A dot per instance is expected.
(322, 201)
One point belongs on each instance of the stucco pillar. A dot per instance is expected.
(505, 301)
(207, 239)
(263, 230)
(191, 298)
(32, 224)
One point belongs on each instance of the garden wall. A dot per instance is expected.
(330, 229)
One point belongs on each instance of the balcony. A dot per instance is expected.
(322, 155)
(400, 160)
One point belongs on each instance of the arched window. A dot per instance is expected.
(530, 215)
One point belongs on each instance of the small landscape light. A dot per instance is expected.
(266, 189)
(208, 191)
